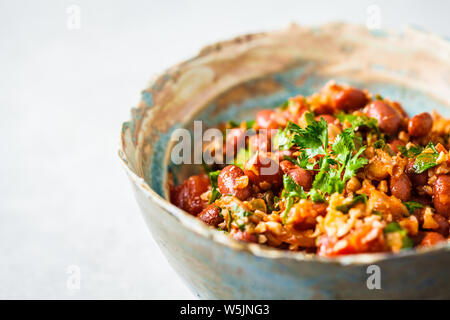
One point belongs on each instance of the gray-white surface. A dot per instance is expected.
(64, 198)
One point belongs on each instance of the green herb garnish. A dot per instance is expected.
(395, 227)
(412, 206)
(410, 152)
(291, 192)
(334, 168)
(215, 193)
(426, 160)
(359, 121)
(345, 207)
(379, 144)
(241, 213)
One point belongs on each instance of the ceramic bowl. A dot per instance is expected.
(232, 80)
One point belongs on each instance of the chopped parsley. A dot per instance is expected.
(334, 167)
(241, 213)
(249, 124)
(357, 121)
(291, 192)
(412, 206)
(379, 144)
(395, 227)
(410, 152)
(345, 207)
(215, 193)
(426, 159)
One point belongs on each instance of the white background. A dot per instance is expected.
(64, 197)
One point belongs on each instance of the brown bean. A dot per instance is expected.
(441, 195)
(443, 223)
(388, 118)
(228, 184)
(395, 144)
(265, 119)
(286, 165)
(302, 177)
(417, 179)
(323, 109)
(401, 187)
(397, 106)
(245, 236)
(420, 125)
(350, 99)
(211, 215)
(187, 195)
(264, 172)
(431, 238)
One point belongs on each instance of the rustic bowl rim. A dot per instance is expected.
(195, 225)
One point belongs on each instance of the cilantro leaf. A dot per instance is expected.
(354, 164)
(345, 207)
(344, 144)
(357, 121)
(215, 193)
(291, 192)
(283, 140)
(313, 137)
(395, 227)
(411, 151)
(412, 206)
(426, 159)
(379, 144)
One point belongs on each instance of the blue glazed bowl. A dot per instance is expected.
(231, 80)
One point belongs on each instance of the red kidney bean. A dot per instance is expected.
(350, 99)
(211, 215)
(443, 223)
(228, 185)
(266, 119)
(260, 142)
(264, 172)
(328, 118)
(394, 145)
(420, 125)
(388, 118)
(286, 165)
(431, 238)
(234, 140)
(397, 106)
(417, 179)
(401, 187)
(441, 195)
(302, 177)
(187, 195)
(323, 109)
